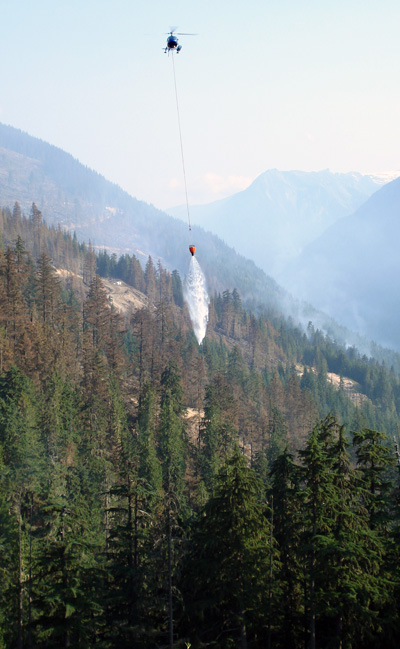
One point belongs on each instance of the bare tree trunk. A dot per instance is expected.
(67, 642)
(270, 574)
(312, 588)
(30, 579)
(20, 578)
(132, 559)
(243, 632)
(170, 608)
(136, 559)
(339, 630)
(312, 609)
(106, 515)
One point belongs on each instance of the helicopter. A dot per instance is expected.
(173, 42)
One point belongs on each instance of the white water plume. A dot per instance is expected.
(196, 297)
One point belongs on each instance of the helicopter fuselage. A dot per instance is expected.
(172, 44)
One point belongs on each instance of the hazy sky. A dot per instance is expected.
(286, 84)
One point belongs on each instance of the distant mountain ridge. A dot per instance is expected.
(352, 270)
(273, 219)
(64, 190)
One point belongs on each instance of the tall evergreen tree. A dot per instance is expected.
(374, 459)
(96, 313)
(149, 464)
(345, 582)
(355, 585)
(172, 436)
(150, 281)
(173, 451)
(68, 581)
(21, 452)
(287, 529)
(318, 509)
(226, 574)
(48, 291)
(219, 432)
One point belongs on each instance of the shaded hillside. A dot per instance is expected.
(271, 221)
(69, 194)
(352, 270)
(66, 191)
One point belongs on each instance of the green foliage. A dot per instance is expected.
(218, 431)
(127, 514)
(344, 555)
(374, 459)
(227, 566)
(149, 467)
(285, 495)
(172, 431)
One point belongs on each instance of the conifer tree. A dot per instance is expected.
(21, 255)
(172, 434)
(287, 509)
(164, 316)
(173, 452)
(277, 434)
(130, 597)
(226, 573)
(8, 566)
(96, 314)
(17, 213)
(20, 451)
(48, 291)
(149, 464)
(36, 223)
(137, 279)
(66, 594)
(355, 585)
(144, 330)
(345, 581)
(374, 459)
(150, 281)
(89, 266)
(12, 304)
(392, 611)
(318, 510)
(218, 433)
(177, 288)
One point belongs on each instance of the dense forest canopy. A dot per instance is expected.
(158, 493)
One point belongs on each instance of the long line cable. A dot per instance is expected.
(180, 138)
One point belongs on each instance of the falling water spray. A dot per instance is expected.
(196, 297)
(195, 290)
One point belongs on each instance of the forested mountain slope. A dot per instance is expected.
(268, 342)
(73, 196)
(123, 522)
(77, 198)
